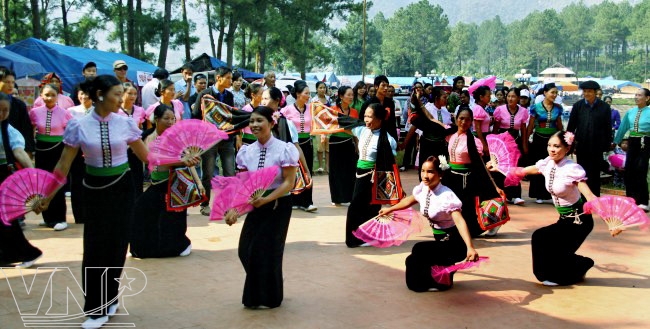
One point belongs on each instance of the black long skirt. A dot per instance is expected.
(106, 238)
(137, 171)
(77, 173)
(429, 147)
(538, 151)
(360, 209)
(156, 232)
(47, 155)
(448, 249)
(261, 248)
(343, 165)
(511, 191)
(305, 198)
(554, 249)
(636, 170)
(465, 184)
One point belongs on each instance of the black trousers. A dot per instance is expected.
(636, 169)
(467, 187)
(429, 148)
(261, 249)
(343, 166)
(360, 209)
(305, 198)
(76, 177)
(591, 162)
(137, 172)
(47, 155)
(106, 238)
(410, 150)
(537, 189)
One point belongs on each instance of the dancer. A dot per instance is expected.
(50, 121)
(156, 231)
(254, 94)
(137, 114)
(452, 241)
(78, 168)
(343, 152)
(554, 259)
(263, 236)
(434, 143)
(62, 100)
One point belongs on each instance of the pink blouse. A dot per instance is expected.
(561, 179)
(458, 148)
(104, 141)
(247, 108)
(61, 100)
(176, 104)
(482, 115)
(138, 114)
(50, 122)
(301, 120)
(504, 120)
(437, 204)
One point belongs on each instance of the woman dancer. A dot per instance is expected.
(554, 259)
(263, 236)
(637, 122)
(166, 91)
(155, 231)
(62, 100)
(300, 114)
(432, 143)
(545, 120)
(370, 137)
(452, 241)
(254, 93)
(512, 118)
(50, 121)
(137, 114)
(481, 117)
(343, 152)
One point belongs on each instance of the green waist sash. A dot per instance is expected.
(363, 164)
(342, 135)
(545, 131)
(48, 138)
(438, 231)
(459, 166)
(108, 171)
(159, 175)
(567, 210)
(304, 135)
(639, 134)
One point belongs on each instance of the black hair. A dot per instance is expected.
(437, 93)
(606, 97)
(222, 71)
(561, 135)
(379, 79)
(341, 92)
(298, 87)
(49, 85)
(549, 86)
(236, 75)
(129, 85)
(436, 164)
(456, 79)
(504, 90)
(187, 66)
(321, 83)
(5, 72)
(646, 92)
(379, 112)
(465, 92)
(101, 83)
(275, 94)
(160, 110)
(427, 85)
(480, 91)
(516, 90)
(199, 77)
(252, 89)
(357, 86)
(162, 85)
(265, 111)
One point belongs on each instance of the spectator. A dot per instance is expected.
(149, 89)
(185, 89)
(269, 79)
(616, 117)
(18, 114)
(238, 94)
(120, 68)
(200, 83)
(89, 71)
(62, 100)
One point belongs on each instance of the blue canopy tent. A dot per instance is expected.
(21, 65)
(249, 75)
(202, 63)
(67, 62)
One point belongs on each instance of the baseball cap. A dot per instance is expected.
(89, 64)
(119, 63)
(524, 93)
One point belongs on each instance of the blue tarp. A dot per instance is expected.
(67, 61)
(21, 65)
(618, 84)
(250, 75)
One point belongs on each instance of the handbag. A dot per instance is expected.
(491, 212)
(386, 186)
(217, 113)
(182, 190)
(303, 180)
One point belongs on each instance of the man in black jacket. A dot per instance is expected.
(381, 85)
(590, 121)
(18, 114)
(224, 149)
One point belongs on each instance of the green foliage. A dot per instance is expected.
(348, 51)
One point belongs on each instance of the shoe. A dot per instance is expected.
(402, 169)
(311, 208)
(345, 204)
(294, 207)
(112, 310)
(365, 245)
(320, 170)
(187, 251)
(21, 221)
(518, 201)
(492, 232)
(549, 283)
(60, 226)
(433, 289)
(95, 323)
(539, 201)
(42, 223)
(29, 263)
(68, 194)
(644, 207)
(205, 210)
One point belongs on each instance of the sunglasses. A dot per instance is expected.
(123, 68)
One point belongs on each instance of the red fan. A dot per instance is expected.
(441, 274)
(503, 151)
(618, 212)
(226, 201)
(390, 230)
(23, 190)
(184, 140)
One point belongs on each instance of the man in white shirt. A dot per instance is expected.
(185, 89)
(149, 89)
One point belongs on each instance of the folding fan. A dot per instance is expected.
(21, 192)
(503, 151)
(390, 230)
(441, 274)
(618, 212)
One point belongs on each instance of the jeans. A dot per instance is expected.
(226, 151)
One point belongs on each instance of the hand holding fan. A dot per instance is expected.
(253, 184)
(504, 153)
(390, 230)
(22, 192)
(225, 204)
(617, 212)
(441, 274)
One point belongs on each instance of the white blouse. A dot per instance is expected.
(80, 110)
(444, 113)
(437, 204)
(561, 179)
(104, 141)
(274, 153)
(368, 142)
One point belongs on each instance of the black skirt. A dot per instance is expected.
(360, 209)
(46, 157)
(636, 169)
(261, 248)
(538, 151)
(304, 199)
(466, 185)
(343, 166)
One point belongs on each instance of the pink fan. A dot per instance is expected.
(617, 160)
(503, 151)
(490, 81)
(253, 184)
(226, 201)
(390, 230)
(23, 190)
(618, 212)
(441, 274)
(184, 140)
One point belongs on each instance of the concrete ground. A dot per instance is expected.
(330, 286)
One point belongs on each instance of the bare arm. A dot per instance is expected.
(472, 255)
(584, 189)
(531, 125)
(23, 158)
(481, 137)
(402, 204)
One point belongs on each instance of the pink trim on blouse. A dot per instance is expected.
(247, 108)
(138, 114)
(292, 114)
(178, 110)
(458, 152)
(58, 122)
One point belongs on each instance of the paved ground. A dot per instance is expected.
(330, 286)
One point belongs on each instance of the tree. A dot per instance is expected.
(347, 53)
(36, 19)
(461, 46)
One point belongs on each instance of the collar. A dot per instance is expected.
(268, 143)
(100, 119)
(592, 104)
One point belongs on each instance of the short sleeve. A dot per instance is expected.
(479, 144)
(68, 115)
(71, 133)
(575, 173)
(393, 144)
(16, 139)
(451, 202)
(32, 116)
(133, 133)
(241, 155)
(356, 131)
(290, 156)
(417, 190)
(479, 113)
(541, 164)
